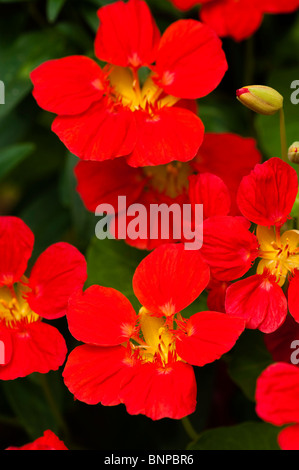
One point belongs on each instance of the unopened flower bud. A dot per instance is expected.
(261, 99)
(293, 153)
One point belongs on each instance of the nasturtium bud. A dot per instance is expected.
(293, 152)
(261, 99)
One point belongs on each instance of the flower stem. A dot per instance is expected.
(283, 139)
(189, 429)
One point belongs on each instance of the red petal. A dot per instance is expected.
(169, 279)
(100, 133)
(16, 245)
(238, 20)
(228, 247)
(266, 196)
(259, 300)
(94, 374)
(57, 273)
(161, 392)
(173, 133)
(190, 60)
(208, 336)
(288, 438)
(186, 4)
(293, 295)
(209, 190)
(279, 6)
(48, 441)
(69, 85)
(101, 316)
(216, 295)
(277, 394)
(104, 182)
(279, 342)
(217, 150)
(37, 347)
(127, 35)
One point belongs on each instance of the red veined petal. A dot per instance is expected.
(266, 196)
(219, 148)
(238, 20)
(68, 85)
(209, 190)
(172, 133)
(190, 60)
(100, 133)
(36, 347)
(95, 375)
(279, 6)
(128, 35)
(161, 392)
(293, 295)
(288, 438)
(278, 343)
(186, 4)
(103, 182)
(16, 245)
(57, 273)
(48, 441)
(170, 278)
(208, 336)
(101, 316)
(216, 295)
(259, 300)
(228, 247)
(276, 394)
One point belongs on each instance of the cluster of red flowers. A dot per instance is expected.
(237, 19)
(144, 140)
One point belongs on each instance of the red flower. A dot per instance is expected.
(237, 19)
(265, 197)
(107, 113)
(277, 401)
(48, 441)
(144, 361)
(206, 180)
(30, 344)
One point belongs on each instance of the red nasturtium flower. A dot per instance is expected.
(265, 197)
(48, 441)
(207, 180)
(276, 397)
(104, 113)
(30, 344)
(145, 360)
(238, 19)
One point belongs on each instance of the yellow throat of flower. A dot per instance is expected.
(13, 305)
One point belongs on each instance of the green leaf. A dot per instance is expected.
(54, 7)
(12, 155)
(248, 359)
(245, 436)
(112, 263)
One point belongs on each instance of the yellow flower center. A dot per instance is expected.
(280, 254)
(13, 305)
(170, 179)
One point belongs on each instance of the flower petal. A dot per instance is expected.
(259, 300)
(57, 273)
(128, 35)
(68, 85)
(288, 438)
(209, 190)
(172, 133)
(208, 336)
(169, 279)
(16, 245)
(266, 196)
(101, 316)
(293, 295)
(276, 394)
(190, 60)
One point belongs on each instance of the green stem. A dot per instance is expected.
(189, 429)
(283, 138)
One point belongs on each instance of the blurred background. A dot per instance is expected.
(38, 185)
